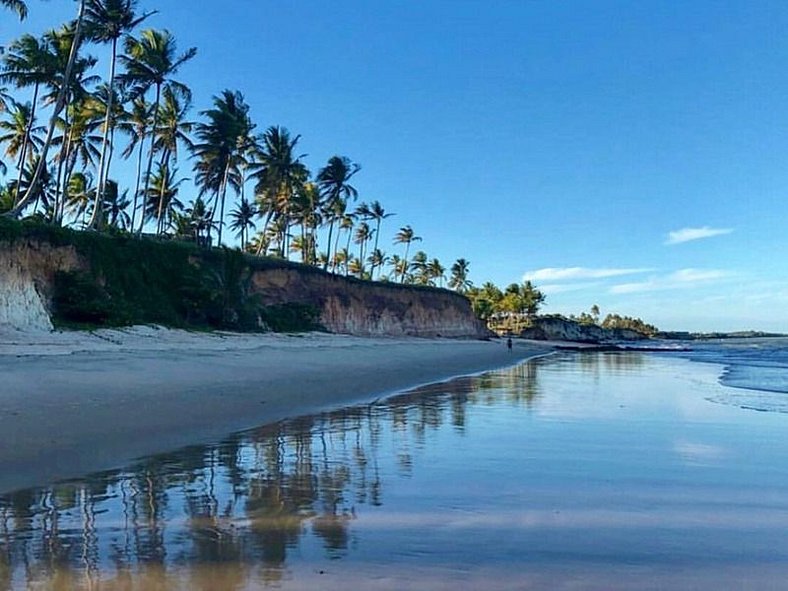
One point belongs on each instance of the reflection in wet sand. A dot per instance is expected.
(577, 470)
(220, 517)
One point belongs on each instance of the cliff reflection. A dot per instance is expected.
(241, 512)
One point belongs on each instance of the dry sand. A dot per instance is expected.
(74, 403)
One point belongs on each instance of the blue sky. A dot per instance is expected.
(632, 155)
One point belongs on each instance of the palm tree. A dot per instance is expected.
(363, 235)
(399, 266)
(334, 182)
(162, 197)
(19, 7)
(243, 220)
(115, 205)
(151, 62)
(195, 223)
(59, 104)
(405, 236)
(419, 266)
(377, 213)
(106, 21)
(279, 173)
(222, 148)
(136, 125)
(27, 63)
(436, 271)
(18, 132)
(172, 130)
(459, 276)
(346, 223)
(306, 211)
(377, 260)
(78, 194)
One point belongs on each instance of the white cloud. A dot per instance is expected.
(688, 234)
(572, 273)
(554, 288)
(683, 278)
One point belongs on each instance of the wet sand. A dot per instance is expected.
(74, 403)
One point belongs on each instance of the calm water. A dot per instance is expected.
(579, 471)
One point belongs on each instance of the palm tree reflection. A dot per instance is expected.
(223, 515)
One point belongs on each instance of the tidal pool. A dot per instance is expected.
(577, 471)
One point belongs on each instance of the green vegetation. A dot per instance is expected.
(132, 281)
(255, 184)
(615, 321)
(507, 311)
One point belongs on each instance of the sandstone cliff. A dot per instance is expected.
(369, 308)
(30, 268)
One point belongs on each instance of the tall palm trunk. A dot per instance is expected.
(60, 104)
(347, 250)
(151, 151)
(102, 174)
(402, 275)
(137, 188)
(328, 254)
(223, 196)
(336, 249)
(25, 142)
(165, 171)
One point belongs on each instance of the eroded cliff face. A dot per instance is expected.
(28, 268)
(371, 309)
(26, 273)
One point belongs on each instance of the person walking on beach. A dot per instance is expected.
(509, 343)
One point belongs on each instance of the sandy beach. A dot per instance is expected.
(78, 402)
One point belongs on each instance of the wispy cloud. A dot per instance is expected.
(555, 288)
(684, 278)
(556, 274)
(689, 234)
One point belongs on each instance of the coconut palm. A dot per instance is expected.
(172, 131)
(115, 206)
(222, 147)
(59, 104)
(334, 182)
(106, 21)
(19, 7)
(243, 220)
(399, 267)
(459, 276)
(406, 236)
(151, 61)
(162, 197)
(194, 223)
(337, 212)
(377, 259)
(308, 213)
(79, 195)
(346, 223)
(136, 125)
(377, 213)
(419, 266)
(77, 141)
(26, 63)
(279, 173)
(436, 271)
(19, 131)
(362, 236)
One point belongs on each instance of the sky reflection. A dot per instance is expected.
(573, 468)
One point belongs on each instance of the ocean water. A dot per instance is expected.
(757, 368)
(606, 471)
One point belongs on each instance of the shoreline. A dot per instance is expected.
(77, 403)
